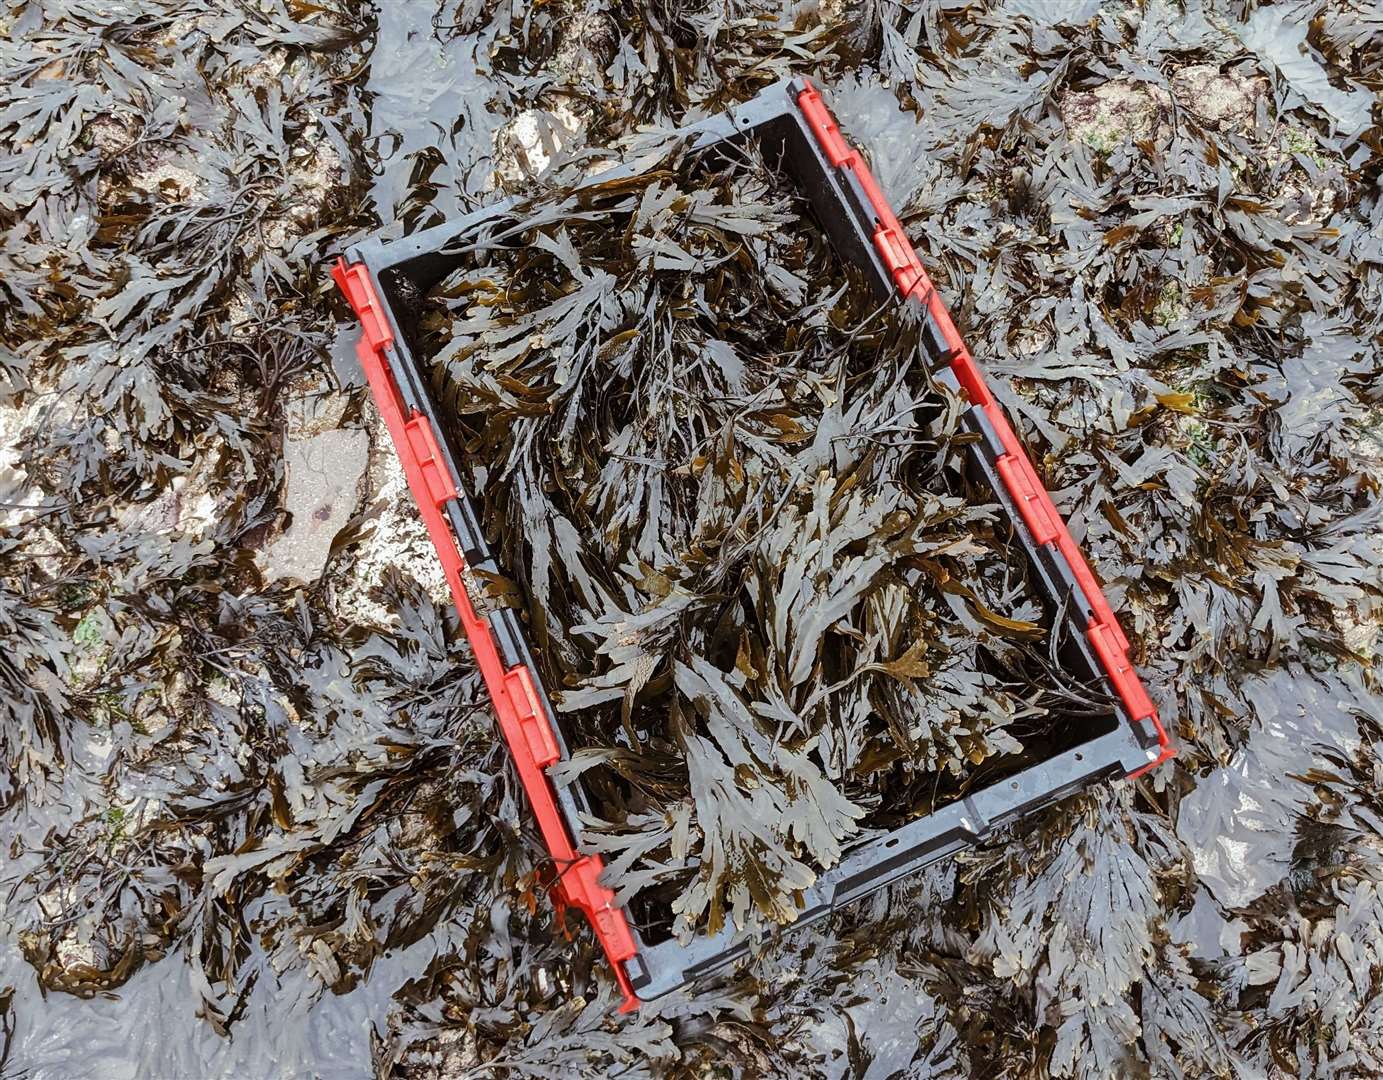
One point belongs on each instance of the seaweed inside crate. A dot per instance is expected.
(734, 512)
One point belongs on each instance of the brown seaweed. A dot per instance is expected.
(255, 829)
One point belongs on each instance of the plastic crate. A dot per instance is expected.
(790, 122)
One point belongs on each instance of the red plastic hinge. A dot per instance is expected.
(1085, 577)
(1121, 673)
(823, 126)
(537, 730)
(581, 883)
(422, 443)
(579, 887)
(899, 258)
(354, 281)
(1015, 473)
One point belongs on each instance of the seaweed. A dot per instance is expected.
(276, 819)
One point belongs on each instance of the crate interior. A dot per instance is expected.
(1048, 674)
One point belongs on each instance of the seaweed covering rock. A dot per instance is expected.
(276, 819)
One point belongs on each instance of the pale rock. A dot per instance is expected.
(323, 474)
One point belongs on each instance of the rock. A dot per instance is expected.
(1361, 625)
(1367, 442)
(1053, 12)
(1305, 200)
(1360, 629)
(18, 493)
(1223, 99)
(187, 505)
(1107, 115)
(1312, 183)
(111, 135)
(166, 176)
(587, 46)
(398, 539)
(323, 474)
(525, 147)
(312, 405)
(92, 639)
(316, 176)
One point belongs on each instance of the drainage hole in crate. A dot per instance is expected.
(892, 843)
(1080, 757)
